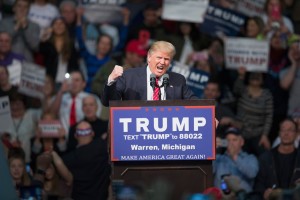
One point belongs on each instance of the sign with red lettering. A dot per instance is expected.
(252, 54)
(32, 80)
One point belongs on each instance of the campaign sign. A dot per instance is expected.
(103, 11)
(50, 128)
(220, 21)
(6, 122)
(250, 53)
(194, 10)
(251, 7)
(196, 79)
(162, 133)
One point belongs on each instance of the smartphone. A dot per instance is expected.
(224, 186)
(68, 77)
(224, 143)
(275, 13)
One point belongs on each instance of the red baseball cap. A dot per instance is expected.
(135, 46)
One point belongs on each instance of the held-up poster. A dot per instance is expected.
(184, 10)
(252, 54)
(220, 21)
(103, 11)
(6, 123)
(196, 79)
(50, 128)
(32, 80)
(251, 7)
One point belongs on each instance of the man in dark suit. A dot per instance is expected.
(134, 84)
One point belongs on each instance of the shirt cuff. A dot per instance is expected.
(110, 81)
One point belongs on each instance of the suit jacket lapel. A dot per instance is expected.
(142, 82)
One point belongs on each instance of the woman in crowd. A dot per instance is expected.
(17, 167)
(41, 143)
(274, 19)
(254, 109)
(59, 54)
(24, 123)
(58, 180)
(255, 28)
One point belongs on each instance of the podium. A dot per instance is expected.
(164, 148)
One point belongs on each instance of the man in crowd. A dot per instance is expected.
(99, 126)
(279, 167)
(25, 34)
(235, 162)
(68, 101)
(89, 165)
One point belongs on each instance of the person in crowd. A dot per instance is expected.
(133, 84)
(67, 9)
(290, 77)
(58, 179)
(6, 89)
(278, 62)
(24, 33)
(104, 46)
(150, 29)
(89, 165)
(24, 124)
(274, 19)
(255, 28)
(59, 53)
(68, 101)
(224, 114)
(41, 144)
(43, 13)
(17, 166)
(255, 110)
(235, 162)
(7, 57)
(99, 126)
(296, 117)
(279, 167)
(186, 41)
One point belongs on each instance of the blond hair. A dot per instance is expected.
(163, 46)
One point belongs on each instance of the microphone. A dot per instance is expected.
(165, 79)
(152, 80)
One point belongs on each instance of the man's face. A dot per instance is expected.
(211, 91)
(5, 43)
(235, 143)
(21, 9)
(159, 62)
(78, 84)
(68, 12)
(287, 133)
(89, 107)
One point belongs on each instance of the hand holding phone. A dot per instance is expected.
(224, 187)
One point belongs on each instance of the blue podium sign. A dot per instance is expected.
(162, 133)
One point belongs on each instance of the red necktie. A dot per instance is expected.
(156, 91)
(73, 112)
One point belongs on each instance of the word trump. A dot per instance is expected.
(142, 124)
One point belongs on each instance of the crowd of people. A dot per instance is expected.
(259, 112)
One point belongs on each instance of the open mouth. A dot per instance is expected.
(160, 68)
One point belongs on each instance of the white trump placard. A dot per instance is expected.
(6, 123)
(184, 10)
(252, 54)
(32, 80)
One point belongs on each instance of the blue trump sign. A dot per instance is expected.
(162, 133)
